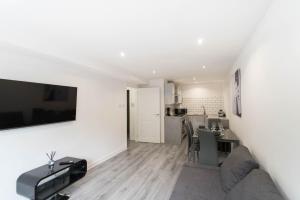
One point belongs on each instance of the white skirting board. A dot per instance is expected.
(105, 158)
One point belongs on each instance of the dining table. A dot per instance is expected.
(226, 136)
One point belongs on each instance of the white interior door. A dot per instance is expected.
(148, 100)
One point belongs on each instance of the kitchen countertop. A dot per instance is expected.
(208, 116)
(176, 116)
(215, 117)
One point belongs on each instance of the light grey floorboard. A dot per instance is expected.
(144, 172)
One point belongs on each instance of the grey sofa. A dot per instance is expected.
(239, 178)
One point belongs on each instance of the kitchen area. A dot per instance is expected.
(200, 103)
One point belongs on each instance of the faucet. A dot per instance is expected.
(204, 115)
(204, 110)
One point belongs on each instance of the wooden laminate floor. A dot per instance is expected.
(144, 172)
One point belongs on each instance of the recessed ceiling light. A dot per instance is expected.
(194, 79)
(122, 54)
(154, 71)
(200, 41)
(203, 67)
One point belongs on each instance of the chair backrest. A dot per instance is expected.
(189, 134)
(190, 125)
(209, 150)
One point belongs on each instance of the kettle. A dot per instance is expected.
(221, 113)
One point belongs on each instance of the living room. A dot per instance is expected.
(176, 58)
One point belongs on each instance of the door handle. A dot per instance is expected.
(156, 114)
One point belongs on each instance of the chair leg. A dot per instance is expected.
(189, 155)
(197, 156)
(192, 156)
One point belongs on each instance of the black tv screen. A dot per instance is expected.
(28, 104)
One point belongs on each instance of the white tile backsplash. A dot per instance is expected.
(211, 104)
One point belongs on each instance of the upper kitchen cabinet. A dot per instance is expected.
(172, 94)
(178, 95)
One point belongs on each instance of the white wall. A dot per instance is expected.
(270, 67)
(209, 89)
(98, 133)
(209, 94)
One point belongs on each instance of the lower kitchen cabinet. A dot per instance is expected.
(174, 129)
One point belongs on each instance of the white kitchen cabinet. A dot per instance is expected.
(170, 93)
(178, 95)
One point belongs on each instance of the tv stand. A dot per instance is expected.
(46, 183)
(60, 197)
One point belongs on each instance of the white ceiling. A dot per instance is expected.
(154, 34)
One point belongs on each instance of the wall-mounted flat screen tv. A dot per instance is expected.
(27, 104)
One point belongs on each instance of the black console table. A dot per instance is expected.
(43, 182)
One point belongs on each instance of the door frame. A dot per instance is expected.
(133, 113)
(128, 113)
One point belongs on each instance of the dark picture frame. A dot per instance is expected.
(237, 99)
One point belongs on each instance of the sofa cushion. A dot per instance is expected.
(257, 185)
(198, 183)
(234, 168)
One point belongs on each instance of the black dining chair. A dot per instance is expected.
(193, 148)
(209, 149)
(190, 125)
